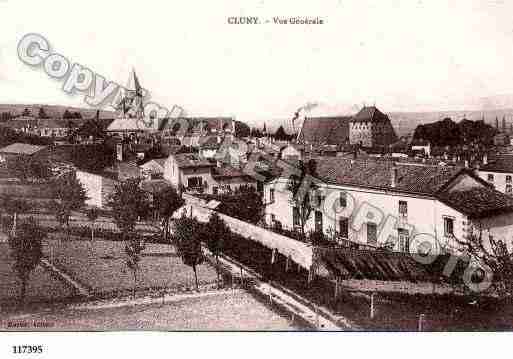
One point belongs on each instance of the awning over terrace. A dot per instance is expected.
(345, 263)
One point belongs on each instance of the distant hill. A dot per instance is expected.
(54, 111)
(406, 122)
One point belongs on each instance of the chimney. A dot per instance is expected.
(393, 176)
(485, 159)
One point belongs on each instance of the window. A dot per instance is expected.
(343, 224)
(271, 195)
(490, 177)
(194, 182)
(448, 227)
(508, 179)
(508, 189)
(403, 208)
(343, 199)
(295, 217)
(318, 221)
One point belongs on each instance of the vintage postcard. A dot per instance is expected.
(255, 166)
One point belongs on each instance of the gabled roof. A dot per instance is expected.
(325, 130)
(22, 149)
(188, 160)
(371, 173)
(369, 114)
(477, 202)
(502, 164)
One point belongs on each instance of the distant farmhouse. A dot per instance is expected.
(368, 128)
(23, 150)
(58, 128)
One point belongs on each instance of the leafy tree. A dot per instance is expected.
(26, 112)
(92, 158)
(281, 135)
(300, 185)
(167, 202)
(92, 215)
(128, 203)
(188, 236)
(244, 203)
(217, 232)
(24, 168)
(70, 196)
(26, 250)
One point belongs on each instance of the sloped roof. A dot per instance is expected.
(187, 160)
(477, 202)
(387, 266)
(377, 174)
(369, 114)
(22, 149)
(325, 130)
(228, 172)
(502, 163)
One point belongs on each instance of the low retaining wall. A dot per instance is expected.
(298, 252)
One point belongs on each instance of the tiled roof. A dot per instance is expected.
(499, 164)
(22, 149)
(369, 114)
(377, 174)
(325, 130)
(477, 202)
(185, 160)
(228, 171)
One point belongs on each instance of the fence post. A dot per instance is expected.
(273, 256)
(421, 322)
(372, 306)
(287, 264)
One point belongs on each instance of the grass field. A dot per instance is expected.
(42, 286)
(222, 311)
(100, 265)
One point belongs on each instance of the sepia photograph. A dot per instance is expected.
(245, 167)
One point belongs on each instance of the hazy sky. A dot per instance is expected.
(401, 55)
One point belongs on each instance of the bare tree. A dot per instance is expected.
(492, 253)
(92, 215)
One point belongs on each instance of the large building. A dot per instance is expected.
(368, 128)
(379, 199)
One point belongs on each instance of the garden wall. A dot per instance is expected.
(300, 253)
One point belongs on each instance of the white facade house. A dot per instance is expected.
(499, 173)
(190, 171)
(372, 203)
